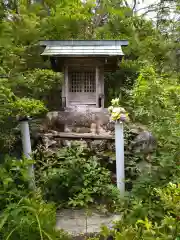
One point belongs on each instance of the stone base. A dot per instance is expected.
(78, 222)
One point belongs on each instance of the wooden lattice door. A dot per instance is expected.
(82, 87)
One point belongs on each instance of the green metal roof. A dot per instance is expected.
(83, 47)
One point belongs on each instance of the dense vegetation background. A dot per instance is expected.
(148, 84)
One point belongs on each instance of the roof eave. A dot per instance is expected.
(77, 48)
(72, 42)
(81, 55)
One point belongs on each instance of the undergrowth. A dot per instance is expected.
(24, 215)
(72, 177)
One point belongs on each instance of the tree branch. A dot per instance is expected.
(134, 5)
(126, 3)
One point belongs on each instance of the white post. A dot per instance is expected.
(26, 143)
(119, 144)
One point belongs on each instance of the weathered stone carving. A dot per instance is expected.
(144, 143)
(77, 120)
(95, 121)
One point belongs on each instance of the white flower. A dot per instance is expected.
(116, 110)
(110, 109)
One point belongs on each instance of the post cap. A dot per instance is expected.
(23, 118)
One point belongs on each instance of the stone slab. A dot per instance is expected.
(77, 222)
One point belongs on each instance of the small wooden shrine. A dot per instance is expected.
(83, 63)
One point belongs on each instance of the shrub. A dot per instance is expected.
(146, 228)
(24, 215)
(73, 177)
(13, 181)
(30, 218)
(156, 102)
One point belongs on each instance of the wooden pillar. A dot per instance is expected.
(97, 86)
(102, 86)
(63, 92)
(66, 85)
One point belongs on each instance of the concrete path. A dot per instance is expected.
(77, 222)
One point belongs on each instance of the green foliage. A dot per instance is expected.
(71, 176)
(27, 86)
(27, 107)
(168, 229)
(20, 54)
(156, 102)
(68, 20)
(24, 214)
(12, 107)
(120, 83)
(13, 180)
(143, 200)
(168, 199)
(40, 82)
(151, 212)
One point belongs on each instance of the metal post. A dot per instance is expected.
(119, 143)
(26, 143)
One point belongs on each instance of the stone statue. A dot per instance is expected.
(144, 143)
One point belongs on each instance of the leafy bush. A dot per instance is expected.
(168, 229)
(119, 83)
(13, 181)
(24, 215)
(30, 218)
(72, 176)
(11, 106)
(41, 84)
(156, 102)
(168, 199)
(164, 168)
(153, 206)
